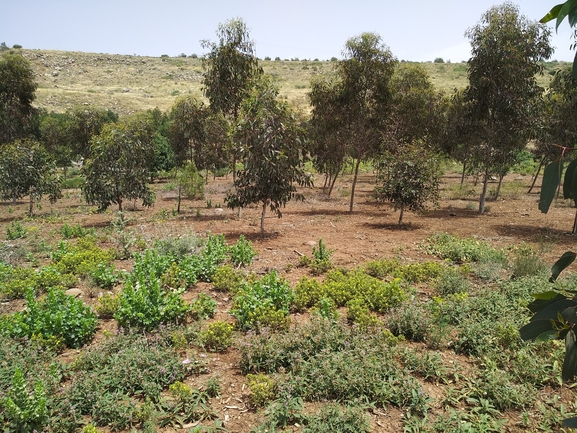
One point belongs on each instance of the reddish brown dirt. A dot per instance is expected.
(370, 232)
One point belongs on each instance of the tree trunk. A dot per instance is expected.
(536, 175)
(354, 184)
(484, 192)
(262, 218)
(179, 195)
(498, 187)
(463, 172)
(401, 214)
(120, 206)
(31, 209)
(574, 224)
(326, 182)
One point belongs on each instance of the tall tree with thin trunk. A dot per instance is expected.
(361, 97)
(502, 91)
(229, 68)
(273, 146)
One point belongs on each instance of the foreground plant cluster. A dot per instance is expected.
(437, 340)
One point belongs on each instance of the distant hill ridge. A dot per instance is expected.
(127, 84)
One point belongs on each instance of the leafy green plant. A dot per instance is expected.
(263, 303)
(446, 246)
(105, 276)
(107, 306)
(217, 336)
(81, 257)
(77, 231)
(333, 418)
(15, 231)
(321, 258)
(262, 389)
(242, 252)
(227, 279)
(145, 305)
(56, 315)
(26, 410)
(203, 307)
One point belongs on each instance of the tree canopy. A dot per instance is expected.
(17, 92)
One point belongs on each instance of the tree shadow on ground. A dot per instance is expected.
(529, 233)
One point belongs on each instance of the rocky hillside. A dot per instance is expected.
(127, 84)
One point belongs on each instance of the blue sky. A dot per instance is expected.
(415, 30)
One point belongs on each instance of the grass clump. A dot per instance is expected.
(463, 250)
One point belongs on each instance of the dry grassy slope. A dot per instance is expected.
(127, 84)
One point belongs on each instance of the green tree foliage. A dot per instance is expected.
(408, 179)
(229, 69)
(558, 13)
(85, 123)
(273, 144)
(17, 92)
(55, 137)
(119, 167)
(359, 98)
(26, 169)
(501, 99)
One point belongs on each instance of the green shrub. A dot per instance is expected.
(381, 268)
(326, 308)
(526, 263)
(242, 253)
(262, 389)
(263, 303)
(107, 306)
(203, 307)
(105, 276)
(213, 255)
(227, 279)
(178, 247)
(217, 336)
(358, 312)
(80, 258)
(56, 315)
(145, 305)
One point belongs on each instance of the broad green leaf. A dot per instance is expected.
(575, 67)
(535, 329)
(546, 296)
(568, 181)
(553, 310)
(552, 14)
(567, 10)
(570, 315)
(546, 336)
(551, 179)
(539, 304)
(565, 260)
(570, 362)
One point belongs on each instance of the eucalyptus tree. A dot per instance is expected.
(85, 123)
(119, 166)
(502, 93)
(229, 69)
(17, 92)
(408, 166)
(26, 169)
(273, 144)
(359, 98)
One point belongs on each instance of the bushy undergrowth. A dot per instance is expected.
(80, 257)
(53, 320)
(15, 280)
(342, 286)
(459, 250)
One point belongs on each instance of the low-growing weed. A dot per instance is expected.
(81, 257)
(458, 250)
(333, 418)
(77, 231)
(262, 389)
(107, 305)
(217, 337)
(105, 276)
(203, 307)
(227, 279)
(412, 320)
(15, 230)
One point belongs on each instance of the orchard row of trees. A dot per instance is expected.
(372, 109)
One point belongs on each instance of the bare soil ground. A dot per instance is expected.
(369, 233)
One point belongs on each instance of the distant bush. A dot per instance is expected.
(439, 60)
